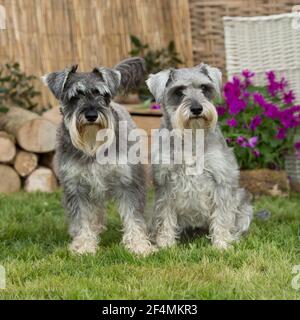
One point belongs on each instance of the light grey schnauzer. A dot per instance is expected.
(86, 106)
(212, 200)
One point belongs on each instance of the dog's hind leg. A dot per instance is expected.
(86, 221)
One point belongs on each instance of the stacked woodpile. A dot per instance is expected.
(27, 143)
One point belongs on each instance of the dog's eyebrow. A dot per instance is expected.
(178, 87)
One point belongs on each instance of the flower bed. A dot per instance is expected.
(259, 122)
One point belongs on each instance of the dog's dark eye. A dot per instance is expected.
(179, 92)
(204, 87)
(107, 98)
(207, 90)
(74, 99)
(95, 92)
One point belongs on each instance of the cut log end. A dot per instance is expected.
(25, 163)
(7, 148)
(41, 179)
(37, 135)
(11, 181)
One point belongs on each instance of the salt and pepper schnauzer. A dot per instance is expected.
(86, 105)
(212, 200)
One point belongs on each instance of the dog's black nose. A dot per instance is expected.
(91, 115)
(196, 108)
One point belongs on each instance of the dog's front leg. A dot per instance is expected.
(86, 220)
(135, 237)
(222, 219)
(165, 223)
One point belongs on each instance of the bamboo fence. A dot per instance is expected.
(48, 35)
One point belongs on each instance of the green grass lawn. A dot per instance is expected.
(33, 249)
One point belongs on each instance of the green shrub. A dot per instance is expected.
(16, 88)
(156, 60)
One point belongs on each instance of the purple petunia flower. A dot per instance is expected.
(281, 134)
(259, 99)
(236, 106)
(297, 145)
(247, 73)
(221, 110)
(255, 122)
(155, 107)
(231, 122)
(289, 97)
(274, 86)
(270, 76)
(252, 142)
(241, 141)
(271, 111)
(256, 153)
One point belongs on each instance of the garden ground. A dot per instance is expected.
(33, 250)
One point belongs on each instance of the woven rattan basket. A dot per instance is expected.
(292, 167)
(264, 43)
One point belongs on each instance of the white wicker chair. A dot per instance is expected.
(267, 43)
(264, 43)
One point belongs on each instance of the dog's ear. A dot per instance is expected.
(157, 84)
(133, 72)
(214, 74)
(111, 77)
(56, 81)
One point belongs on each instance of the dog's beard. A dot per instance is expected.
(84, 135)
(183, 119)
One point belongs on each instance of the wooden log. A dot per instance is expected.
(41, 179)
(33, 132)
(53, 115)
(10, 180)
(25, 163)
(7, 147)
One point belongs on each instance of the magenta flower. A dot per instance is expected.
(221, 110)
(247, 74)
(270, 76)
(271, 111)
(232, 122)
(155, 107)
(281, 134)
(241, 141)
(289, 97)
(259, 99)
(255, 122)
(297, 145)
(256, 153)
(236, 106)
(274, 86)
(252, 142)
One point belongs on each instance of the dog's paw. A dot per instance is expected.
(83, 246)
(165, 242)
(142, 250)
(221, 245)
(142, 247)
